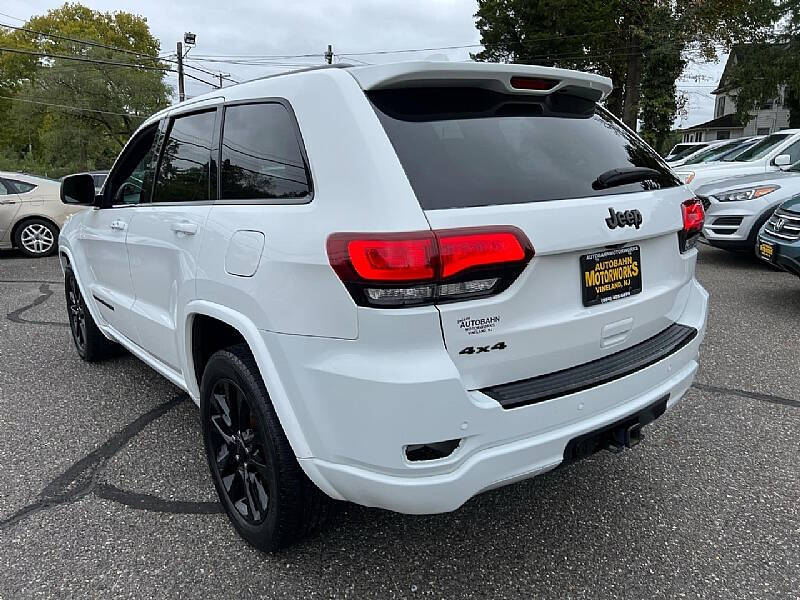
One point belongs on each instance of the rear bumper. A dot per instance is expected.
(359, 423)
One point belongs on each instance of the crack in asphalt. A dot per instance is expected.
(45, 292)
(142, 501)
(81, 478)
(714, 389)
(31, 281)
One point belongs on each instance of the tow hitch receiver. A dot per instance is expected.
(625, 433)
(625, 437)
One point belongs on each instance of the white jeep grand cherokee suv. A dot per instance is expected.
(396, 285)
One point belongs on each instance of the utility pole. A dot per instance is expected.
(181, 94)
(221, 77)
(329, 55)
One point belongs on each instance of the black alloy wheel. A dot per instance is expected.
(76, 312)
(238, 443)
(91, 344)
(265, 493)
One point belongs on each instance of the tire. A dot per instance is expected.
(268, 498)
(91, 344)
(36, 238)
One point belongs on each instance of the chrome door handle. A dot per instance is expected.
(118, 225)
(185, 227)
(8, 201)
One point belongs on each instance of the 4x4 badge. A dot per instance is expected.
(622, 219)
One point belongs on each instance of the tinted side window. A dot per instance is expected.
(793, 151)
(183, 171)
(762, 148)
(22, 186)
(261, 156)
(3, 189)
(131, 180)
(464, 147)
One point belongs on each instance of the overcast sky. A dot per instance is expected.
(235, 27)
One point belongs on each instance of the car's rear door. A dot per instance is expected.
(164, 236)
(607, 272)
(9, 205)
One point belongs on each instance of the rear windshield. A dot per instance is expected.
(761, 149)
(463, 147)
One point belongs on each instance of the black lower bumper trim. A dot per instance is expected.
(591, 374)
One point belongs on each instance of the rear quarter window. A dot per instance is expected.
(464, 147)
(262, 158)
(22, 186)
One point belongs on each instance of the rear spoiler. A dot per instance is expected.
(504, 78)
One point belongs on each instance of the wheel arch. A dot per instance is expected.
(251, 336)
(66, 259)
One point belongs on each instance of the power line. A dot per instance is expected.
(226, 77)
(190, 76)
(103, 62)
(11, 17)
(68, 107)
(79, 41)
(414, 50)
(257, 58)
(84, 59)
(211, 57)
(108, 47)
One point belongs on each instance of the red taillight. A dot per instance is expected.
(693, 215)
(398, 269)
(533, 83)
(392, 260)
(693, 218)
(461, 251)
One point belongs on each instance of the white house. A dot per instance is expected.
(770, 117)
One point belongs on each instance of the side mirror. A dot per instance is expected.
(78, 189)
(782, 160)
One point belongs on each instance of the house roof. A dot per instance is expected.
(724, 122)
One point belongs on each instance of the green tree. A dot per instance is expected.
(764, 69)
(64, 115)
(643, 45)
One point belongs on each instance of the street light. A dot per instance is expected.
(189, 39)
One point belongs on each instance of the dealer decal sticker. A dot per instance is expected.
(478, 326)
(612, 274)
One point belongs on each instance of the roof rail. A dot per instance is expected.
(293, 71)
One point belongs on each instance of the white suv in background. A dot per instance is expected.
(397, 285)
(775, 151)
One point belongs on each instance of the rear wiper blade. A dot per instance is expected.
(615, 177)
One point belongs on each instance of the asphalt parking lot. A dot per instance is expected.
(104, 490)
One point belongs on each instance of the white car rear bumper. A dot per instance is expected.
(362, 459)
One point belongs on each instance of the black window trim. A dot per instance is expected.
(308, 198)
